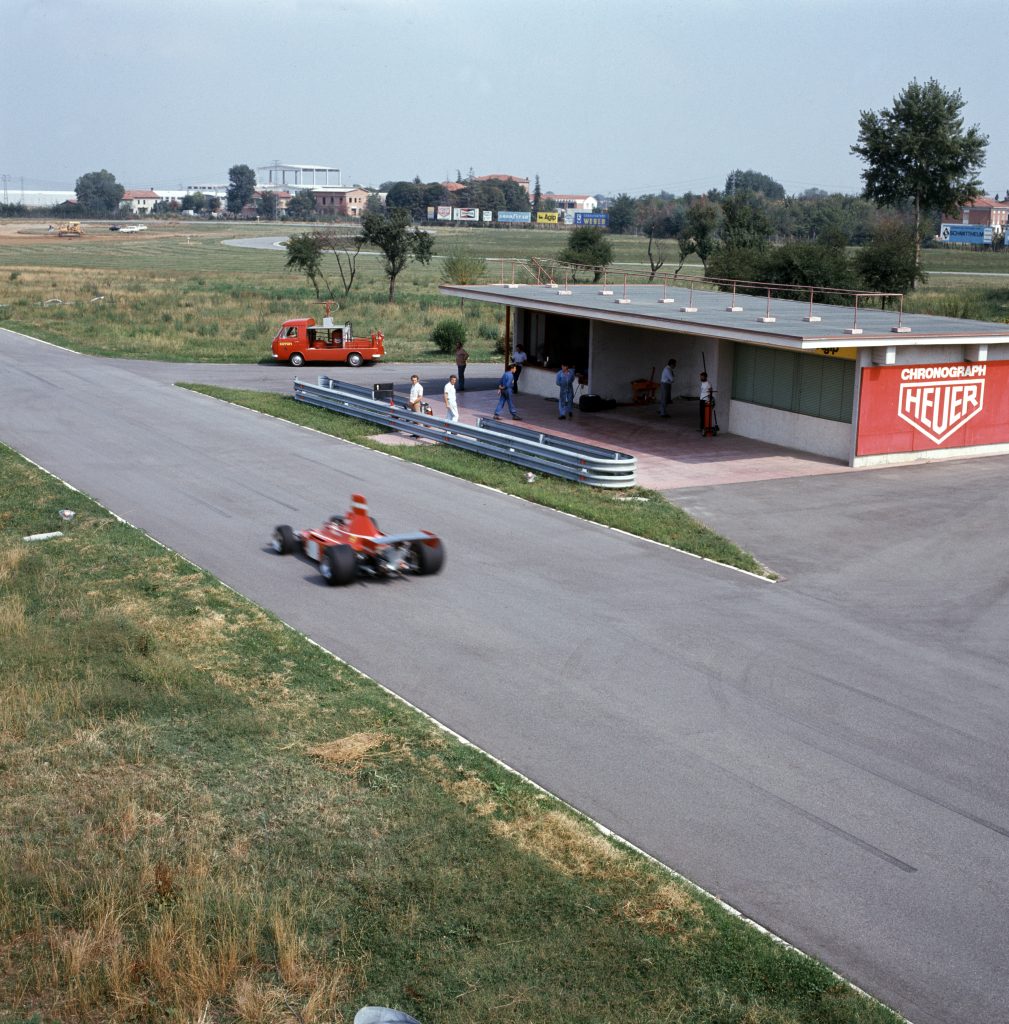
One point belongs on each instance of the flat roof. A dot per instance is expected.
(786, 323)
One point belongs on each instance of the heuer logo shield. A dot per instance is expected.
(939, 408)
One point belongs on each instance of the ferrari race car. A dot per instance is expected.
(349, 546)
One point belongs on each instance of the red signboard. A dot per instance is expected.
(932, 406)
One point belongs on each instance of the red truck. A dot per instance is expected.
(304, 341)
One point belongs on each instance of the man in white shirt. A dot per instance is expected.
(706, 401)
(519, 358)
(416, 393)
(450, 400)
(666, 386)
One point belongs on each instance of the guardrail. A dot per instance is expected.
(533, 449)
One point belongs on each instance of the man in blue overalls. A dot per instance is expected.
(506, 385)
(566, 395)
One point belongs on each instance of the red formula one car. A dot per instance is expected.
(349, 546)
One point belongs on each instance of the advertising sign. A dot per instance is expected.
(488, 216)
(592, 220)
(466, 213)
(444, 213)
(939, 405)
(514, 217)
(549, 217)
(965, 234)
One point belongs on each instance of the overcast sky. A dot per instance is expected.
(594, 97)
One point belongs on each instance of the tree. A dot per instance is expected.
(588, 247)
(889, 262)
(698, 234)
(301, 205)
(195, 201)
(345, 248)
(919, 152)
(753, 181)
(537, 197)
(243, 185)
(745, 224)
(392, 234)
(98, 193)
(304, 255)
(621, 213)
(267, 204)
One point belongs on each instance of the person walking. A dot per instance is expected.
(450, 401)
(707, 398)
(461, 359)
(416, 399)
(666, 386)
(519, 359)
(505, 387)
(566, 391)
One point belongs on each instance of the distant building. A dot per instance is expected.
(991, 213)
(344, 201)
(139, 200)
(524, 182)
(582, 204)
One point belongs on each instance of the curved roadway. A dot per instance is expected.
(827, 753)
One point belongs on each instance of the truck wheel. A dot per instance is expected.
(284, 541)
(354, 359)
(297, 359)
(427, 558)
(338, 565)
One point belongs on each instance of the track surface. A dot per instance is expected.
(827, 753)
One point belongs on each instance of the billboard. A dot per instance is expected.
(514, 217)
(548, 217)
(938, 405)
(965, 234)
(592, 220)
(465, 213)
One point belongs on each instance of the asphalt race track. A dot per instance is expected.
(827, 754)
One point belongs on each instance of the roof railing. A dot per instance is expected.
(548, 273)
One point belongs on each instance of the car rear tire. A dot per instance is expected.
(354, 359)
(284, 540)
(428, 558)
(297, 359)
(338, 565)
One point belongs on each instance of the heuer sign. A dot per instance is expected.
(944, 405)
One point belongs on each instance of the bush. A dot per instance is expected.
(448, 335)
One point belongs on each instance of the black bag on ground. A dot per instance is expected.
(594, 403)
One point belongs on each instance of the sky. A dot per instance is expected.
(635, 96)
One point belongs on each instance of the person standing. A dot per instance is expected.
(566, 391)
(666, 386)
(450, 401)
(706, 400)
(416, 393)
(519, 359)
(461, 359)
(505, 387)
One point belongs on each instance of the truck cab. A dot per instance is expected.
(302, 341)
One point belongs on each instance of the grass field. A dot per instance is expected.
(207, 818)
(177, 293)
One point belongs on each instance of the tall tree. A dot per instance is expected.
(242, 180)
(398, 242)
(621, 212)
(889, 262)
(753, 181)
(268, 204)
(698, 234)
(919, 152)
(98, 193)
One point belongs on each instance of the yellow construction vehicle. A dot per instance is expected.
(69, 229)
